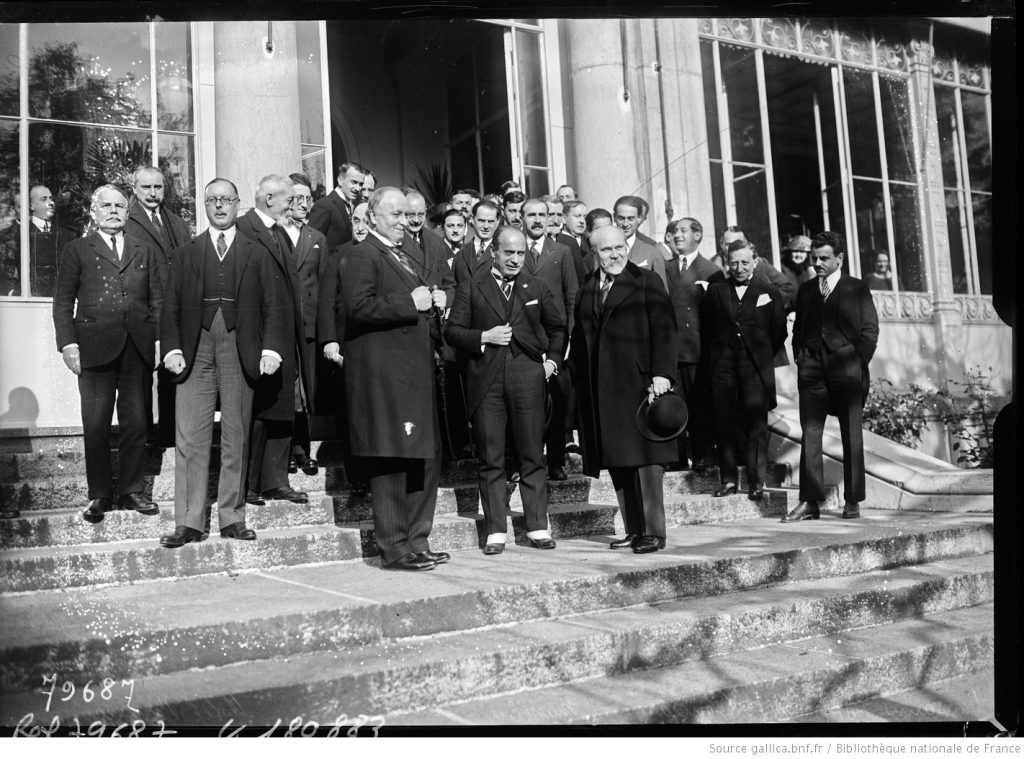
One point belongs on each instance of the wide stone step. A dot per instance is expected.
(768, 684)
(142, 560)
(154, 628)
(396, 676)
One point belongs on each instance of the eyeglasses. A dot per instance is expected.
(220, 200)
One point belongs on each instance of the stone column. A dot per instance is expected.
(604, 122)
(946, 317)
(257, 104)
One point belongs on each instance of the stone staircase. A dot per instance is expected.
(740, 619)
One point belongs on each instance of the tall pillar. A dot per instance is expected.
(608, 161)
(257, 104)
(947, 320)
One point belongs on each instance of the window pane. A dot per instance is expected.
(531, 99)
(956, 227)
(9, 70)
(497, 154)
(537, 183)
(945, 109)
(177, 157)
(464, 164)
(73, 161)
(489, 54)
(872, 236)
(10, 229)
(899, 142)
(739, 77)
(863, 128)
(718, 201)
(979, 152)
(97, 73)
(311, 96)
(707, 63)
(752, 212)
(174, 76)
(907, 232)
(983, 239)
(313, 166)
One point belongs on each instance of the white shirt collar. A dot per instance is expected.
(40, 224)
(107, 238)
(229, 235)
(293, 233)
(383, 239)
(630, 242)
(690, 258)
(833, 279)
(268, 221)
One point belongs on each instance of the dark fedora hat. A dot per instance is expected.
(664, 419)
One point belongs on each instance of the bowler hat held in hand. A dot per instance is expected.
(664, 419)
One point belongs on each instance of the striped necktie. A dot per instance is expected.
(825, 289)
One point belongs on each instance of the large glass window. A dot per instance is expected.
(311, 105)
(102, 100)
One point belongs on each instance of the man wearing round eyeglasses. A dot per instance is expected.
(222, 332)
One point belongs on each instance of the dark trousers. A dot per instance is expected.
(165, 389)
(694, 441)
(124, 383)
(831, 382)
(736, 388)
(269, 448)
(640, 493)
(515, 399)
(404, 495)
(217, 372)
(455, 436)
(554, 435)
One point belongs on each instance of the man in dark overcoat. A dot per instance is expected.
(512, 334)
(623, 348)
(274, 402)
(389, 375)
(743, 324)
(106, 308)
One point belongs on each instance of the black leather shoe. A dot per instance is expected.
(626, 542)
(438, 557)
(293, 465)
(756, 492)
(135, 502)
(96, 509)
(309, 466)
(9, 513)
(804, 510)
(557, 473)
(648, 544)
(851, 510)
(181, 536)
(493, 549)
(547, 543)
(728, 488)
(238, 531)
(285, 494)
(411, 562)
(702, 465)
(254, 498)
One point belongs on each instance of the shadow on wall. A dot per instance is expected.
(22, 409)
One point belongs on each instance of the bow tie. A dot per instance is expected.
(297, 223)
(737, 283)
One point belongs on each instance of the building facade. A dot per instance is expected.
(880, 130)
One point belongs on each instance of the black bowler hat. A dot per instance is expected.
(664, 419)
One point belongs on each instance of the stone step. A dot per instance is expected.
(769, 684)
(138, 560)
(154, 628)
(409, 675)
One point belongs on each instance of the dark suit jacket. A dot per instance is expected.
(275, 398)
(848, 318)
(431, 263)
(389, 366)
(558, 270)
(465, 266)
(117, 300)
(615, 353)
(140, 226)
(686, 294)
(569, 241)
(538, 326)
(260, 322)
(728, 323)
(311, 261)
(647, 256)
(44, 256)
(330, 217)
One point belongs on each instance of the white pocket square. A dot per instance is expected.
(763, 298)
(703, 283)
(644, 263)
(531, 303)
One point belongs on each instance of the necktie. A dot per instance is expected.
(46, 227)
(113, 246)
(506, 288)
(682, 264)
(606, 285)
(404, 260)
(156, 223)
(222, 246)
(825, 289)
(535, 249)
